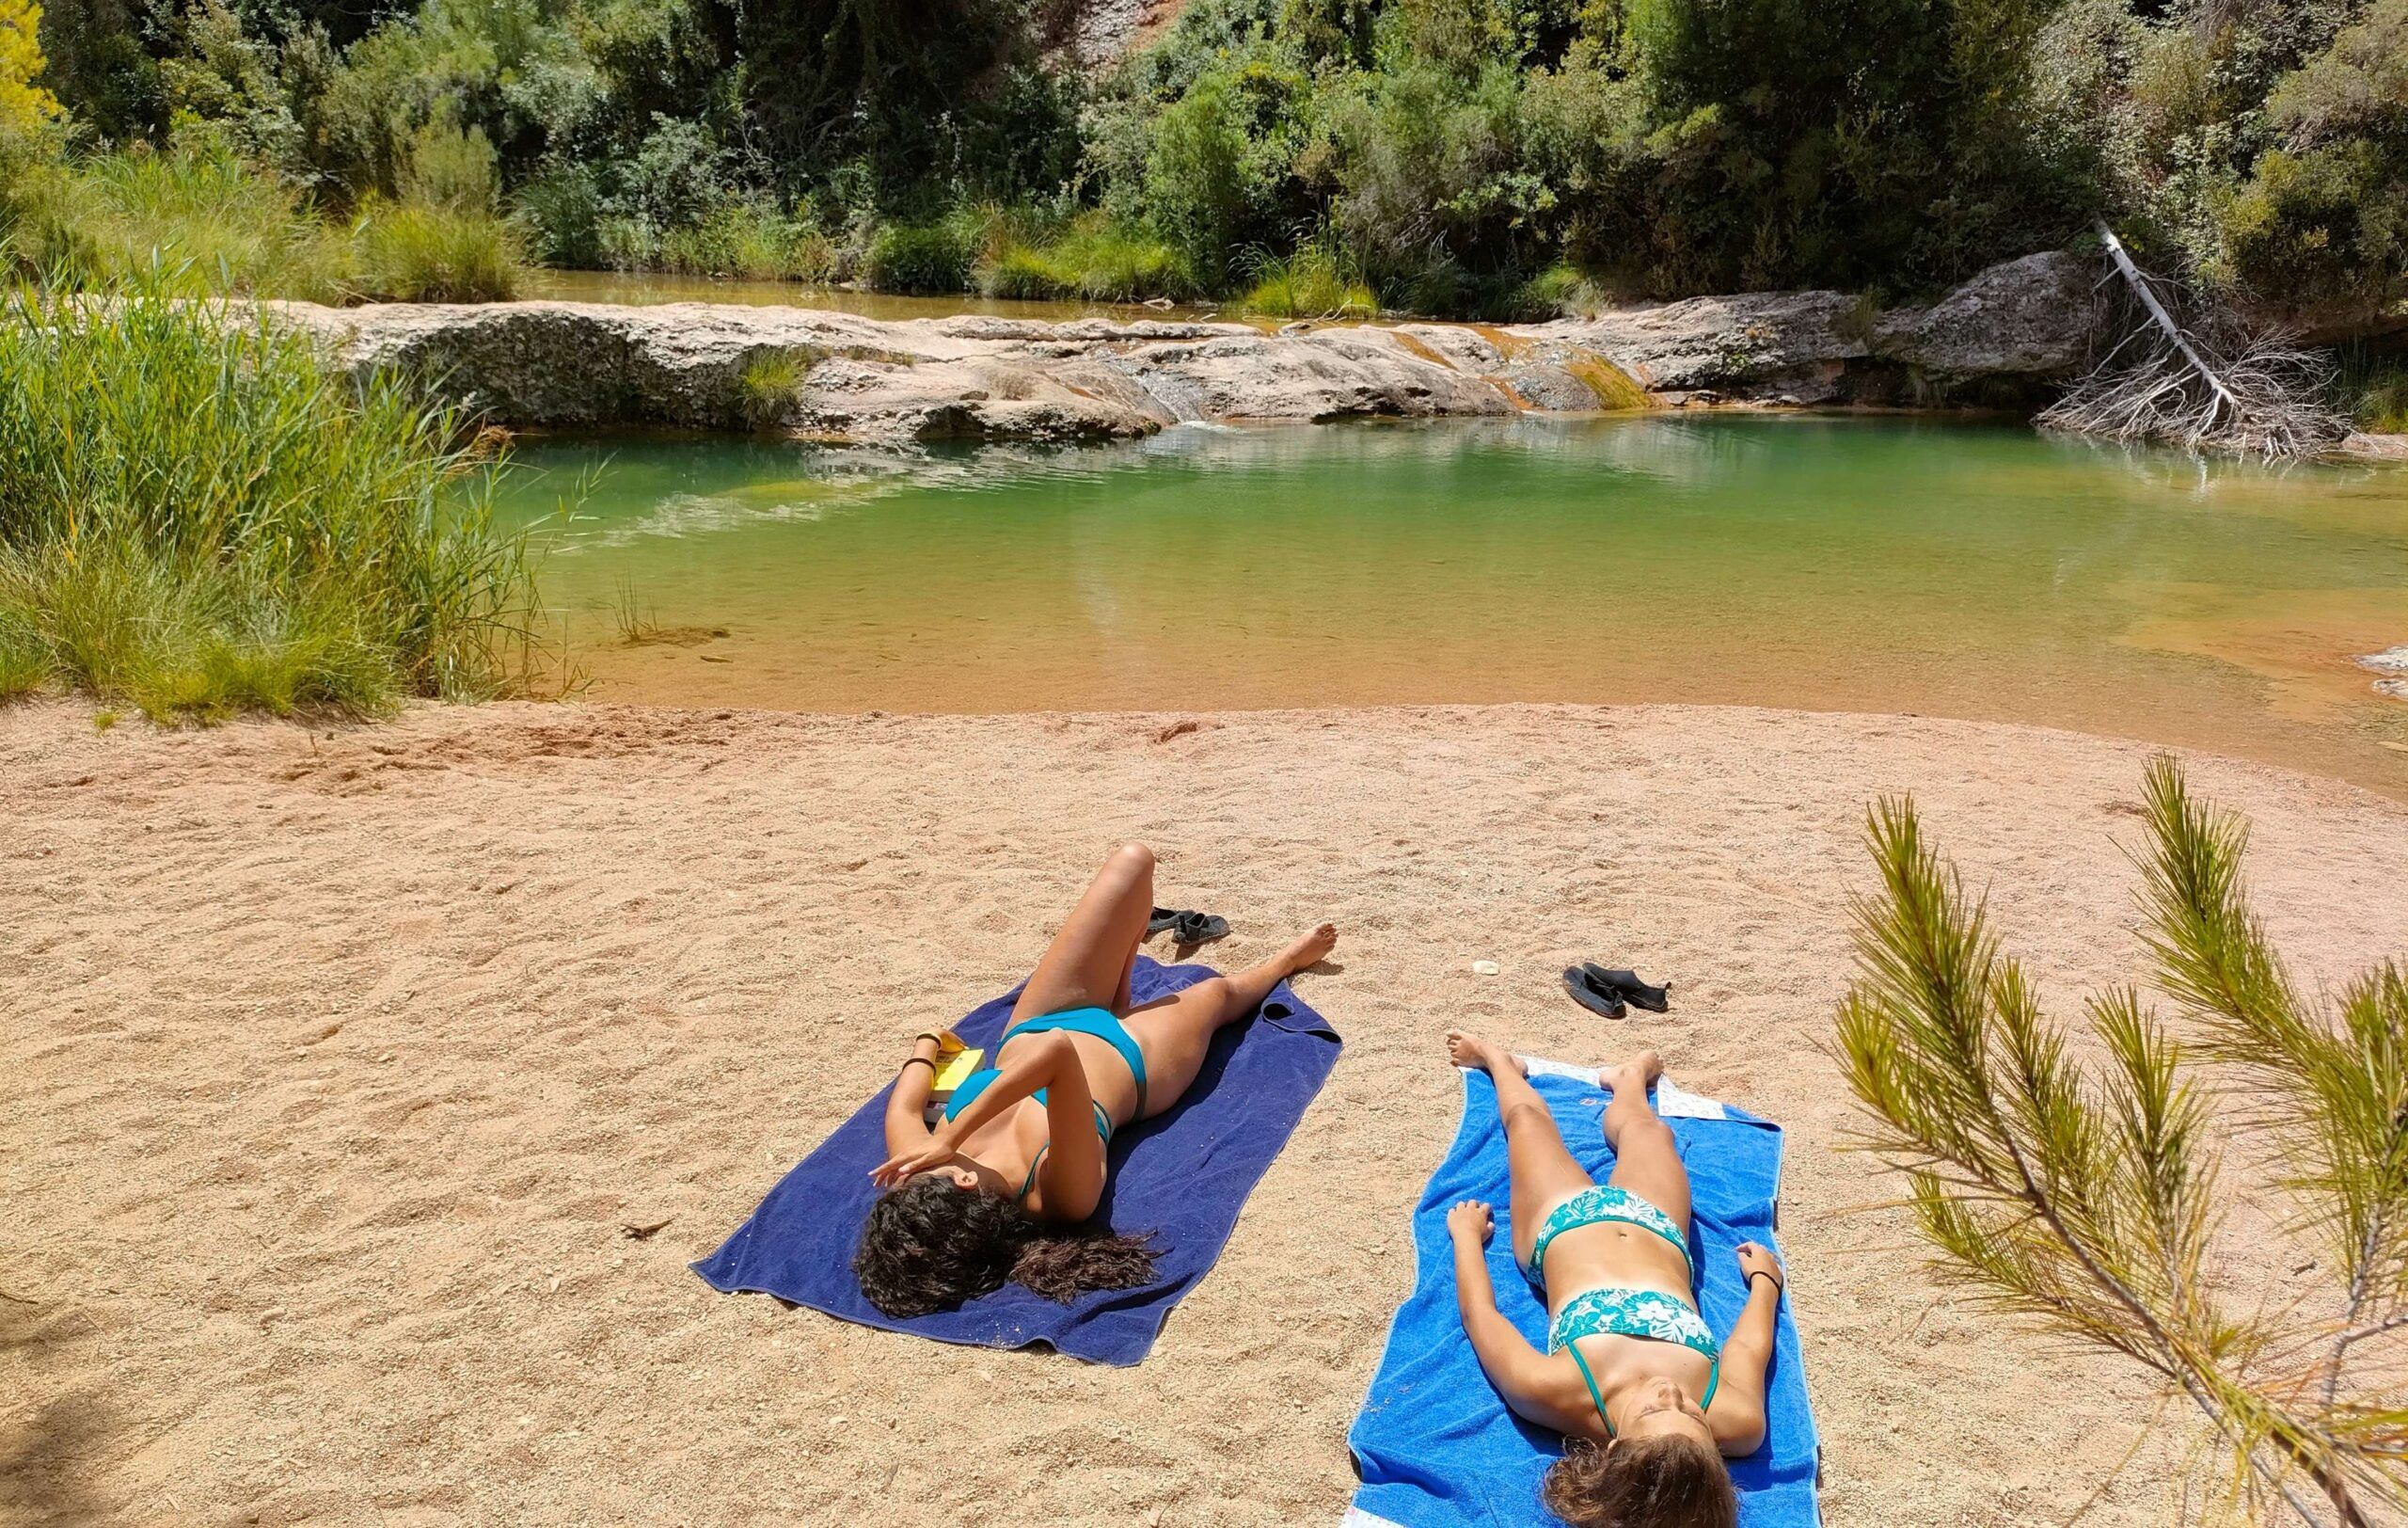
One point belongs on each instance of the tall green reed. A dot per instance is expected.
(197, 517)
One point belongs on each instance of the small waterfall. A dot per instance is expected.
(1177, 397)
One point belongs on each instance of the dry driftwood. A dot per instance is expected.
(2202, 379)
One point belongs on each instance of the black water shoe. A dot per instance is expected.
(1200, 929)
(1626, 985)
(1603, 1001)
(1187, 928)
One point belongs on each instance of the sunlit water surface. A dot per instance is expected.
(1872, 564)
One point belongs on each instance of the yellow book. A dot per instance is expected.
(956, 1069)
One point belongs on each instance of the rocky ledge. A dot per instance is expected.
(2004, 336)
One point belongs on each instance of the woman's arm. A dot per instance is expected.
(907, 1107)
(1047, 1060)
(1513, 1365)
(1069, 1179)
(1737, 1415)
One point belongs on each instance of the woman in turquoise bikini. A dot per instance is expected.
(1022, 1145)
(1631, 1377)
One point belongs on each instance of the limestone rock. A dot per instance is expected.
(842, 376)
(2025, 318)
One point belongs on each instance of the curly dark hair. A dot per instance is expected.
(931, 1244)
(1667, 1482)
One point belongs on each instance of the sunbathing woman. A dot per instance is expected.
(1630, 1375)
(1022, 1145)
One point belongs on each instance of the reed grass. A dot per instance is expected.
(2372, 383)
(25, 659)
(434, 251)
(1091, 259)
(196, 208)
(752, 240)
(197, 519)
(220, 225)
(1313, 282)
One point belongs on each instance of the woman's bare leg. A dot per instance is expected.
(1176, 1034)
(1088, 962)
(1543, 1168)
(1647, 1162)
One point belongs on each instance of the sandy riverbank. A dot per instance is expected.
(330, 1065)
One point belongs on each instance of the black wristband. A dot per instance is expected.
(928, 1034)
(1754, 1274)
(922, 1059)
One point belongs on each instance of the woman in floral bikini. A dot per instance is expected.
(1631, 1377)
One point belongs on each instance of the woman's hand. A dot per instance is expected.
(1754, 1260)
(941, 1149)
(1473, 1219)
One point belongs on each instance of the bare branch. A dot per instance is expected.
(2208, 384)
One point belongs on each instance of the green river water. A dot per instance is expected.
(1853, 563)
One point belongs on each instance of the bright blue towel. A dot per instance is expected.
(1185, 1174)
(1435, 1446)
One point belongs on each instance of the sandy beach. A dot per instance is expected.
(333, 1062)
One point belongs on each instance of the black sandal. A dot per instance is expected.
(1627, 985)
(1601, 1001)
(1200, 928)
(1187, 928)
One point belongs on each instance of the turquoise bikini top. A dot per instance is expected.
(1633, 1313)
(1099, 1022)
(1622, 1313)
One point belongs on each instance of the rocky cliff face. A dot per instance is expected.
(2012, 329)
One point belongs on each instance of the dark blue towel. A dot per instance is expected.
(1185, 1175)
(1435, 1446)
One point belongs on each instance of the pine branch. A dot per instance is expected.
(2086, 1203)
(2334, 1094)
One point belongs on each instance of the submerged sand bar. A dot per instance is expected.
(332, 1063)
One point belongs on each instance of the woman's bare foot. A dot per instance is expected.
(1647, 1066)
(1310, 948)
(1486, 1055)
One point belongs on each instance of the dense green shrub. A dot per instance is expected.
(2324, 220)
(558, 214)
(919, 257)
(196, 517)
(924, 94)
(1197, 177)
(749, 237)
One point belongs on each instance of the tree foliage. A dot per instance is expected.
(23, 104)
(1456, 149)
(2080, 1194)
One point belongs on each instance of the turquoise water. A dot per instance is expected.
(1878, 564)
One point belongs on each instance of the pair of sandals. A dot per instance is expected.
(1611, 994)
(1188, 928)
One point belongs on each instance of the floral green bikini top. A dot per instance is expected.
(1624, 1313)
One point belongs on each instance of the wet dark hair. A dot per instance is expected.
(1669, 1482)
(931, 1244)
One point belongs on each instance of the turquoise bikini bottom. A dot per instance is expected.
(1098, 1022)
